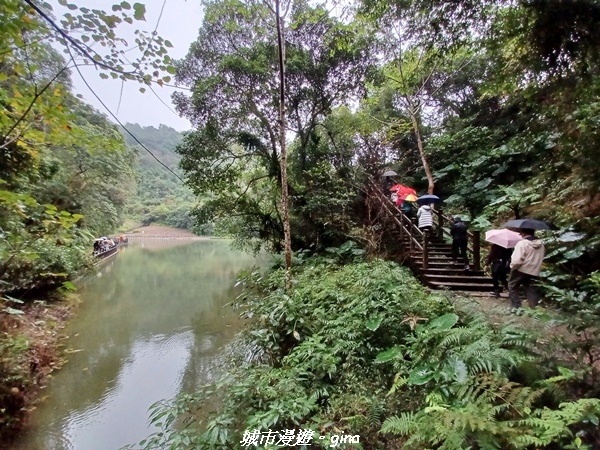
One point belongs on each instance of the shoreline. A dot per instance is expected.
(33, 349)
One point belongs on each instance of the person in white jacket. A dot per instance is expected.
(425, 218)
(525, 267)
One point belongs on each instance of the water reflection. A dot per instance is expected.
(153, 324)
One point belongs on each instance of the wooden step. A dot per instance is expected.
(459, 270)
(461, 286)
(436, 248)
(435, 264)
(433, 258)
(464, 278)
(432, 255)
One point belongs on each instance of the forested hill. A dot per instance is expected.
(160, 141)
(160, 197)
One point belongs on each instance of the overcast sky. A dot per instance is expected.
(179, 23)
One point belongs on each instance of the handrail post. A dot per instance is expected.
(402, 228)
(440, 214)
(477, 250)
(412, 236)
(425, 249)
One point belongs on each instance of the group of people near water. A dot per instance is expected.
(512, 265)
(104, 243)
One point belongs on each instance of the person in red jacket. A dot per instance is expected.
(525, 267)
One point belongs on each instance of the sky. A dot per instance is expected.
(179, 23)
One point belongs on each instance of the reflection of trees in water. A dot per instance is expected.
(147, 294)
(213, 332)
(91, 375)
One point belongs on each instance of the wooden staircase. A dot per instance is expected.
(430, 254)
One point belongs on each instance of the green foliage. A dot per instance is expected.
(581, 304)
(232, 159)
(64, 170)
(39, 245)
(467, 397)
(14, 378)
(322, 353)
(314, 351)
(159, 197)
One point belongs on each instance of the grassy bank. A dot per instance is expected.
(363, 350)
(30, 348)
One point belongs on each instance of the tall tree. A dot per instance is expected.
(285, 201)
(234, 153)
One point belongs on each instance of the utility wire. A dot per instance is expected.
(119, 122)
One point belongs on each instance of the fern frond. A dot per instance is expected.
(403, 425)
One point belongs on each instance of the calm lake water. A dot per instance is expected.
(153, 323)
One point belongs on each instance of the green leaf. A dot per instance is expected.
(72, 7)
(388, 355)
(420, 376)
(116, 8)
(103, 76)
(168, 44)
(142, 90)
(12, 299)
(126, 5)
(69, 286)
(374, 323)
(139, 11)
(171, 70)
(443, 323)
(483, 183)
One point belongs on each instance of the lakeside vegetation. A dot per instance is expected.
(67, 176)
(360, 347)
(492, 106)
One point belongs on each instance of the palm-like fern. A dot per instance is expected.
(471, 400)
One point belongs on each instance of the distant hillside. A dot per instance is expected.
(161, 198)
(160, 141)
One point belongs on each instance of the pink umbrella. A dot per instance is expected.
(504, 238)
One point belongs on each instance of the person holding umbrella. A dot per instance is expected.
(525, 267)
(498, 260)
(388, 181)
(425, 218)
(424, 213)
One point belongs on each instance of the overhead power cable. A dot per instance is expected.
(119, 122)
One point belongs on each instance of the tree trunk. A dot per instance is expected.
(283, 159)
(416, 129)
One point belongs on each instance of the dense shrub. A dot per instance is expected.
(363, 349)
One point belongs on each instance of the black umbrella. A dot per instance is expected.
(427, 199)
(532, 224)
